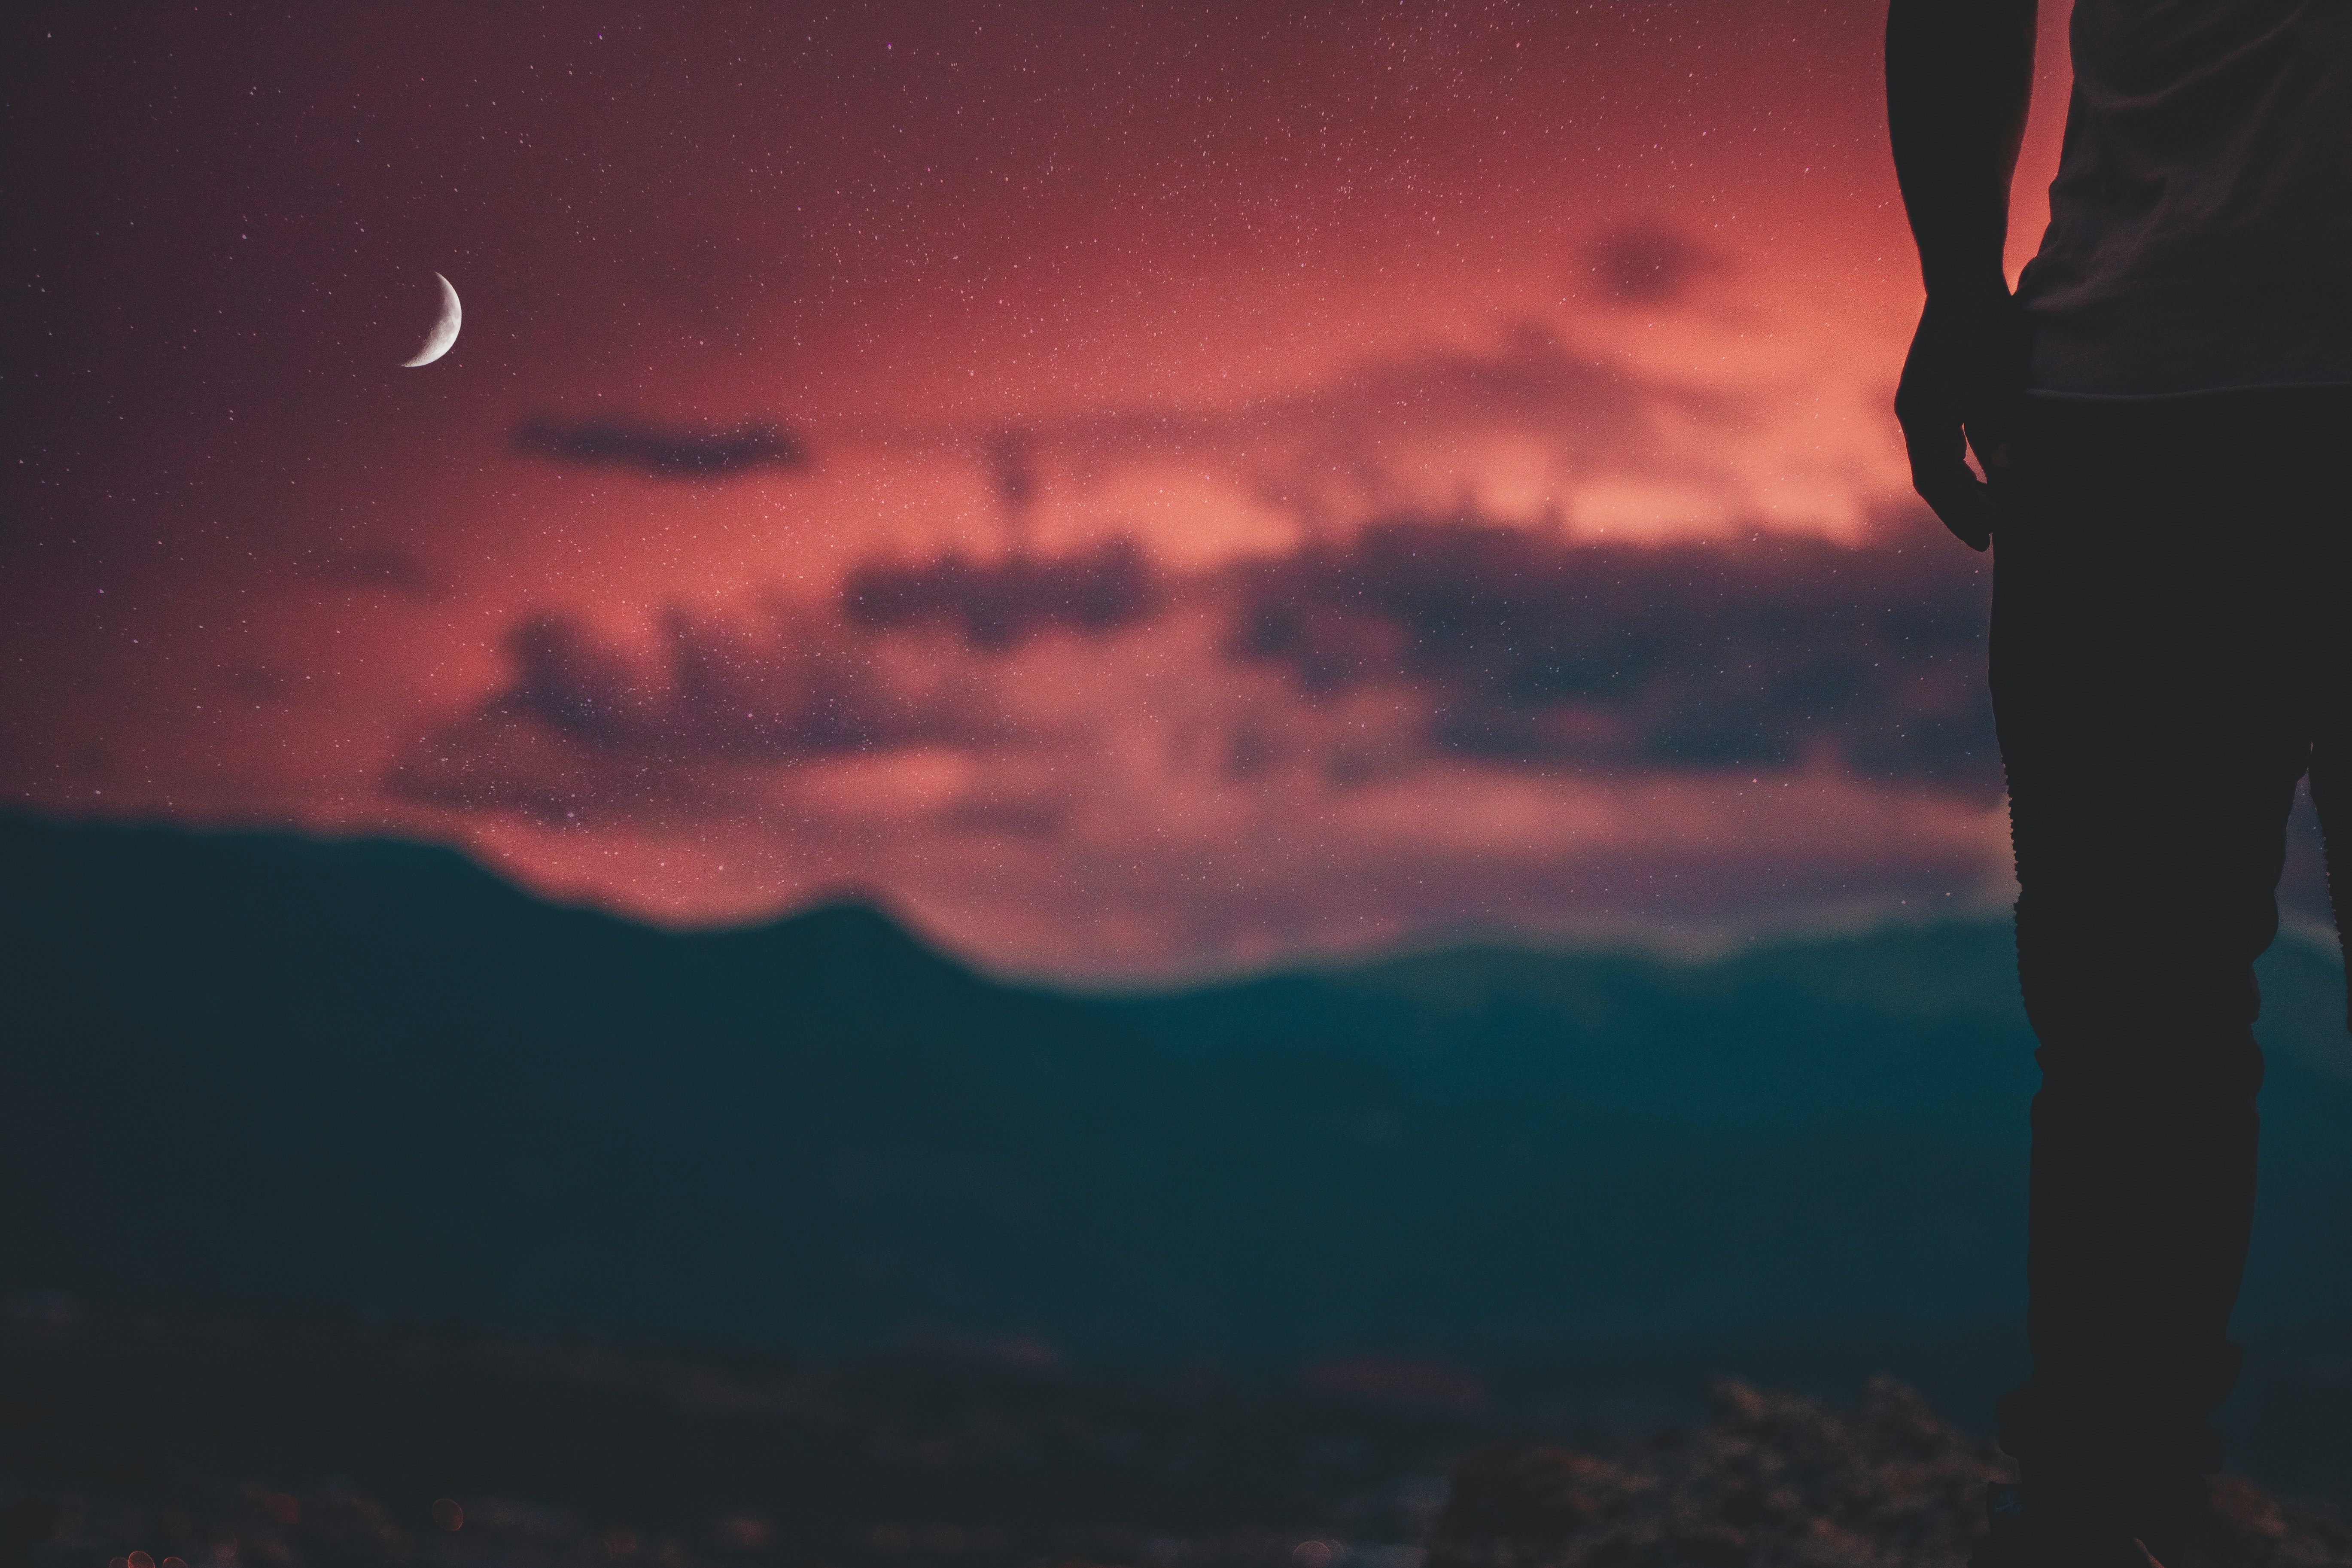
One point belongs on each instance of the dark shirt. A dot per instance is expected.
(2200, 225)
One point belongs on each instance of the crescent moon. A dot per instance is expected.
(444, 332)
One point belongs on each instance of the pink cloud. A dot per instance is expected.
(1438, 724)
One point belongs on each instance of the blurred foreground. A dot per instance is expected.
(322, 1446)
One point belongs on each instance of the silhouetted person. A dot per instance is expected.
(2163, 410)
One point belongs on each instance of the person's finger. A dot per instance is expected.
(1964, 505)
(1938, 472)
(1937, 455)
(1936, 441)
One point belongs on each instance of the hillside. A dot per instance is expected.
(265, 1071)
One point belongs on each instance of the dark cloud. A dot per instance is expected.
(998, 603)
(1012, 461)
(1693, 657)
(1647, 263)
(1011, 457)
(666, 451)
(1414, 640)
(583, 718)
(587, 724)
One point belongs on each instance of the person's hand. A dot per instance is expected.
(1959, 389)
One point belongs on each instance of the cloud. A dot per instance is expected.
(1539, 649)
(1418, 643)
(1647, 263)
(1084, 763)
(665, 451)
(1012, 468)
(585, 721)
(1413, 429)
(1531, 382)
(997, 604)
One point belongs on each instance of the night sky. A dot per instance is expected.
(1136, 488)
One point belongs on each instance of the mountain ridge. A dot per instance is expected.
(266, 1069)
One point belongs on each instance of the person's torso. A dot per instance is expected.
(2200, 225)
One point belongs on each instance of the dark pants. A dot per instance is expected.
(2171, 649)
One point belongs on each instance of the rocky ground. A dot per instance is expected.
(148, 1442)
(1778, 1478)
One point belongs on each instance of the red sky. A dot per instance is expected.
(1286, 380)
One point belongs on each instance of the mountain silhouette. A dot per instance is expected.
(244, 1068)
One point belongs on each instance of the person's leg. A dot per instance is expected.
(2324, 654)
(2153, 733)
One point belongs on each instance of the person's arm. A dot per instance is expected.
(1959, 77)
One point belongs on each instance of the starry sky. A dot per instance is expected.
(1138, 489)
